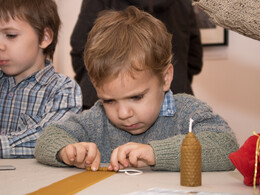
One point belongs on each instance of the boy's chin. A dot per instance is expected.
(135, 131)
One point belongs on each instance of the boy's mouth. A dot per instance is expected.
(132, 127)
(3, 62)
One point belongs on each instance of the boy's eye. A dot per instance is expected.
(138, 97)
(11, 36)
(108, 101)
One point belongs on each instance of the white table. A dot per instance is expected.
(31, 175)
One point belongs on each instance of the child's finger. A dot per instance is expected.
(123, 154)
(70, 151)
(133, 158)
(81, 153)
(119, 158)
(114, 161)
(96, 162)
(110, 168)
(91, 151)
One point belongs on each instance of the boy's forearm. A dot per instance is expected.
(215, 150)
(167, 153)
(51, 141)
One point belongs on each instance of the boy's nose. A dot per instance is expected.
(124, 111)
(2, 46)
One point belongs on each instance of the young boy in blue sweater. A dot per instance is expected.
(137, 121)
(32, 95)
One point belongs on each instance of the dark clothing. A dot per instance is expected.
(180, 20)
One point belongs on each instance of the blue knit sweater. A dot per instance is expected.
(165, 136)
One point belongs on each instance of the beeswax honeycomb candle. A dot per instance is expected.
(190, 169)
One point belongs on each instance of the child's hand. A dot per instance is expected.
(81, 155)
(131, 154)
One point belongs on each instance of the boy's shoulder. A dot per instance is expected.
(183, 97)
(60, 77)
(189, 102)
(48, 76)
(96, 111)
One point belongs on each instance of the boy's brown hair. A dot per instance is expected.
(40, 14)
(126, 41)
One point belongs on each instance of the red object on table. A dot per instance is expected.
(244, 160)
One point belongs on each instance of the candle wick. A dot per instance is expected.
(190, 127)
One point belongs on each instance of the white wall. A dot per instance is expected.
(229, 81)
(68, 11)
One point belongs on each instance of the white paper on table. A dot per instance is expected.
(163, 191)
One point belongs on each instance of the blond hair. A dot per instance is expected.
(126, 41)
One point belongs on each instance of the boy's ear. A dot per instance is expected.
(46, 38)
(167, 77)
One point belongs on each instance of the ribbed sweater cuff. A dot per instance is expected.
(46, 150)
(167, 153)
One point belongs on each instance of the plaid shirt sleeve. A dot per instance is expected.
(20, 144)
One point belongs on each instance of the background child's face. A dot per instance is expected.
(20, 51)
(133, 104)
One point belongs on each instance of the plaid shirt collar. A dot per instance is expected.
(168, 107)
(44, 75)
(41, 76)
